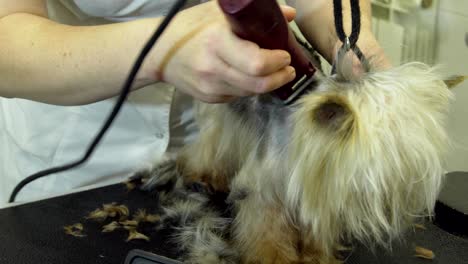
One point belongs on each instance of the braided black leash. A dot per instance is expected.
(355, 19)
(349, 42)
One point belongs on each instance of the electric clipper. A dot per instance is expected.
(262, 22)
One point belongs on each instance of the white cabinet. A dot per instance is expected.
(452, 54)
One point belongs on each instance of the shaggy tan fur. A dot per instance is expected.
(358, 159)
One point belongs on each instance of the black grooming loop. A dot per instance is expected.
(349, 42)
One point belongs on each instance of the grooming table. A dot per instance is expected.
(33, 233)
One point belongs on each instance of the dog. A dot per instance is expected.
(353, 159)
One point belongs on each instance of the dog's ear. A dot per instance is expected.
(455, 80)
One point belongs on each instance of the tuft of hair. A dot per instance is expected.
(367, 155)
(455, 80)
(198, 229)
(199, 232)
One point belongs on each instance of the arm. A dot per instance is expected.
(60, 64)
(317, 22)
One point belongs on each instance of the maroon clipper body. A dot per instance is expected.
(262, 22)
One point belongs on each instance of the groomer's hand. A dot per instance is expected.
(317, 22)
(206, 60)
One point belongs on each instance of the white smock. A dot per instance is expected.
(35, 136)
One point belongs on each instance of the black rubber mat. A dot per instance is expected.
(33, 233)
(447, 248)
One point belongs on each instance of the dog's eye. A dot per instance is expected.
(328, 112)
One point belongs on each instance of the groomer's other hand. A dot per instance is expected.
(317, 22)
(212, 64)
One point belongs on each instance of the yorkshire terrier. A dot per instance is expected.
(353, 159)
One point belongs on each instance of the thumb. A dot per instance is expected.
(288, 12)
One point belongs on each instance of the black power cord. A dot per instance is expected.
(118, 105)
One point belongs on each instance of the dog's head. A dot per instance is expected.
(367, 156)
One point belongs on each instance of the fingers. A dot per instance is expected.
(246, 68)
(220, 82)
(249, 58)
(217, 66)
(237, 84)
(288, 12)
(245, 85)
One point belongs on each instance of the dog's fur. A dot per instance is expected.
(352, 159)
